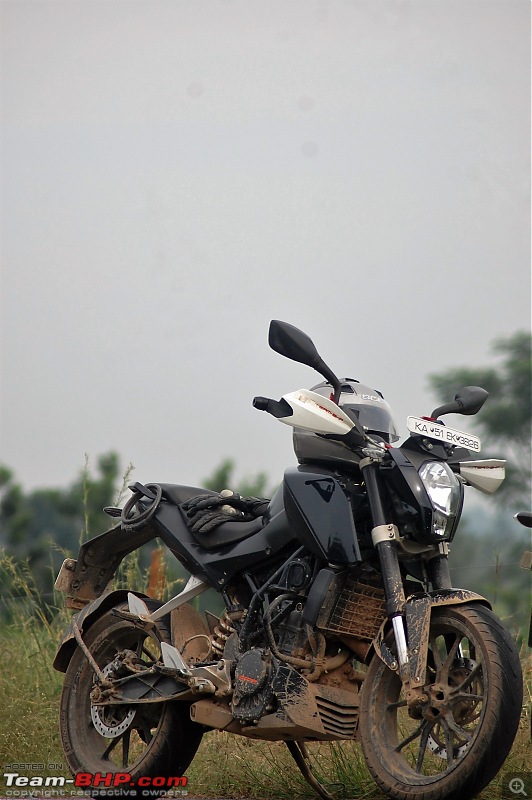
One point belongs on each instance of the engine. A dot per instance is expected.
(253, 690)
(284, 643)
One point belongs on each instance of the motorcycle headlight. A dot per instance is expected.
(445, 493)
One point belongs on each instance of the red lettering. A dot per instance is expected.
(328, 411)
(246, 678)
(175, 781)
(83, 779)
(121, 777)
(103, 778)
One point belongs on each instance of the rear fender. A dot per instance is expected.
(418, 611)
(84, 620)
(88, 578)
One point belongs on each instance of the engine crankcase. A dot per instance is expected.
(253, 689)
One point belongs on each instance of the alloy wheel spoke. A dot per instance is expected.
(435, 653)
(125, 747)
(448, 743)
(140, 647)
(146, 734)
(399, 704)
(417, 732)
(470, 678)
(148, 655)
(473, 718)
(459, 697)
(423, 746)
(111, 746)
(453, 725)
(443, 671)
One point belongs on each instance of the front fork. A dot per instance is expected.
(410, 618)
(383, 536)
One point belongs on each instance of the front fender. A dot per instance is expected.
(84, 619)
(453, 597)
(417, 619)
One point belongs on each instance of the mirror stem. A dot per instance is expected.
(329, 375)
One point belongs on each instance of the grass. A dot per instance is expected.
(230, 766)
(225, 766)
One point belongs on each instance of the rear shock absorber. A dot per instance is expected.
(225, 628)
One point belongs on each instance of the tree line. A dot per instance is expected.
(40, 527)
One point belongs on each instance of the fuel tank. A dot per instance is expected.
(319, 513)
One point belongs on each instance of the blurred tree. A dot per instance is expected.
(485, 557)
(223, 478)
(504, 423)
(36, 526)
(90, 495)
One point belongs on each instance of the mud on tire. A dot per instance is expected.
(456, 744)
(150, 740)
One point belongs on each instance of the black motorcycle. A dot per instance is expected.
(340, 620)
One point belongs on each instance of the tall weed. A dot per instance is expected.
(225, 766)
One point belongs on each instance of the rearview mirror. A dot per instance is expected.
(468, 400)
(292, 343)
(525, 518)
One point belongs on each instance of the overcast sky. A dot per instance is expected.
(175, 174)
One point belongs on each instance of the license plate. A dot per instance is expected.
(441, 433)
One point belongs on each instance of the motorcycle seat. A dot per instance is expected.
(228, 533)
(224, 534)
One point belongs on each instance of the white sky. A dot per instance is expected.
(175, 174)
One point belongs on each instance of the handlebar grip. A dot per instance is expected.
(261, 403)
(277, 408)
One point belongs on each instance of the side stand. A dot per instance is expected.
(299, 753)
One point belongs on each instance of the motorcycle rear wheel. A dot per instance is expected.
(452, 747)
(156, 740)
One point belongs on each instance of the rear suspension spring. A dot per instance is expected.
(225, 628)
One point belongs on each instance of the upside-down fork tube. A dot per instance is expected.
(384, 540)
(418, 613)
(439, 575)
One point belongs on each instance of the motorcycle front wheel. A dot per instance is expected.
(155, 740)
(453, 743)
